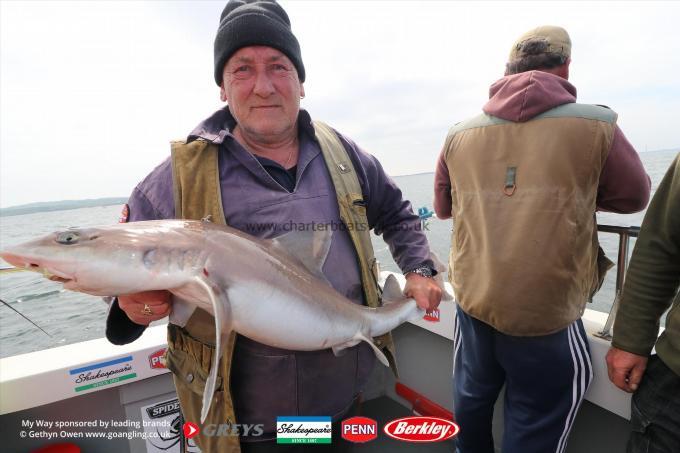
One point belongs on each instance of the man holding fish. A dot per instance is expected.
(264, 167)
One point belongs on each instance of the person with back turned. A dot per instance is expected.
(522, 182)
(651, 287)
(262, 165)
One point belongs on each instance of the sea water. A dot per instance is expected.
(73, 317)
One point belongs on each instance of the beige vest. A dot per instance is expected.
(197, 194)
(524, 246)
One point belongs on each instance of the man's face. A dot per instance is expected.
(263, 90)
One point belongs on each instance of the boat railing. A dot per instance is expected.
(625, 235)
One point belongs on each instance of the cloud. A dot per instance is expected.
(92, 92)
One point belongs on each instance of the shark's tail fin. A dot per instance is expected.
(441, 269)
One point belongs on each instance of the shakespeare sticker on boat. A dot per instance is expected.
(421, 429)
(103, 373)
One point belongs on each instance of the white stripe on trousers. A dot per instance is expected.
(580, 358)
(457, 340)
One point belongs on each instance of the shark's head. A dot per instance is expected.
(112, 260)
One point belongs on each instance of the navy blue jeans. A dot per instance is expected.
(655, 411)
(545, 378)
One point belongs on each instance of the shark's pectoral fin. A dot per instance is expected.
(220, 305)
(339, 350)
(181, 311)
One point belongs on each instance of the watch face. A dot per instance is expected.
(423, 272)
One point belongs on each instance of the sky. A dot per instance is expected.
(92, 92)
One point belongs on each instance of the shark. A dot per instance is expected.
(270, 290)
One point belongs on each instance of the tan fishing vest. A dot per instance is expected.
(524, 246)
(197, 193)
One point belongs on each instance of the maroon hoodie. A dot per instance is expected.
(624, 185)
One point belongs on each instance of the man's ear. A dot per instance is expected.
(223, 93)
(302, 90)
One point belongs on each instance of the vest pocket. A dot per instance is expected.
(187, 370)
(189, 378)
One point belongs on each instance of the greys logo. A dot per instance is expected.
(231, 429)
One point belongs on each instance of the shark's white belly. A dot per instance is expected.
(291, 320)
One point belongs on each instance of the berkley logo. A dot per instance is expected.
(421, 429)
(157, 359)
(359, 429)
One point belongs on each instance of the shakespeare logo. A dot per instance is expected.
(102, 373)
(303, 430)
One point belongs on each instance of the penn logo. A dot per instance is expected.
(157, 359)
(433, 316)
(421, 429)
(359, 429)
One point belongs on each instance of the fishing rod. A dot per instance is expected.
(20, 314)
(7, 270)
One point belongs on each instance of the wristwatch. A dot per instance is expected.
(423, 271)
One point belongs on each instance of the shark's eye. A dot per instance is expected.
(67, 238)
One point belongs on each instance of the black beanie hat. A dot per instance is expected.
(255, 23)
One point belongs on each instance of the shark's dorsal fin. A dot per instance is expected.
(309, 247)
(392, 291)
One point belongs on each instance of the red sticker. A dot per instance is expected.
(433, 316)
(125, 214)
(190, 430)
(359, 429)
(157, 359)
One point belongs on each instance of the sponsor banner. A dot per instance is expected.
(359, 429)
(161, 423)
(103, 373)
(303, 430)
(157, 359)
(421, 429)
